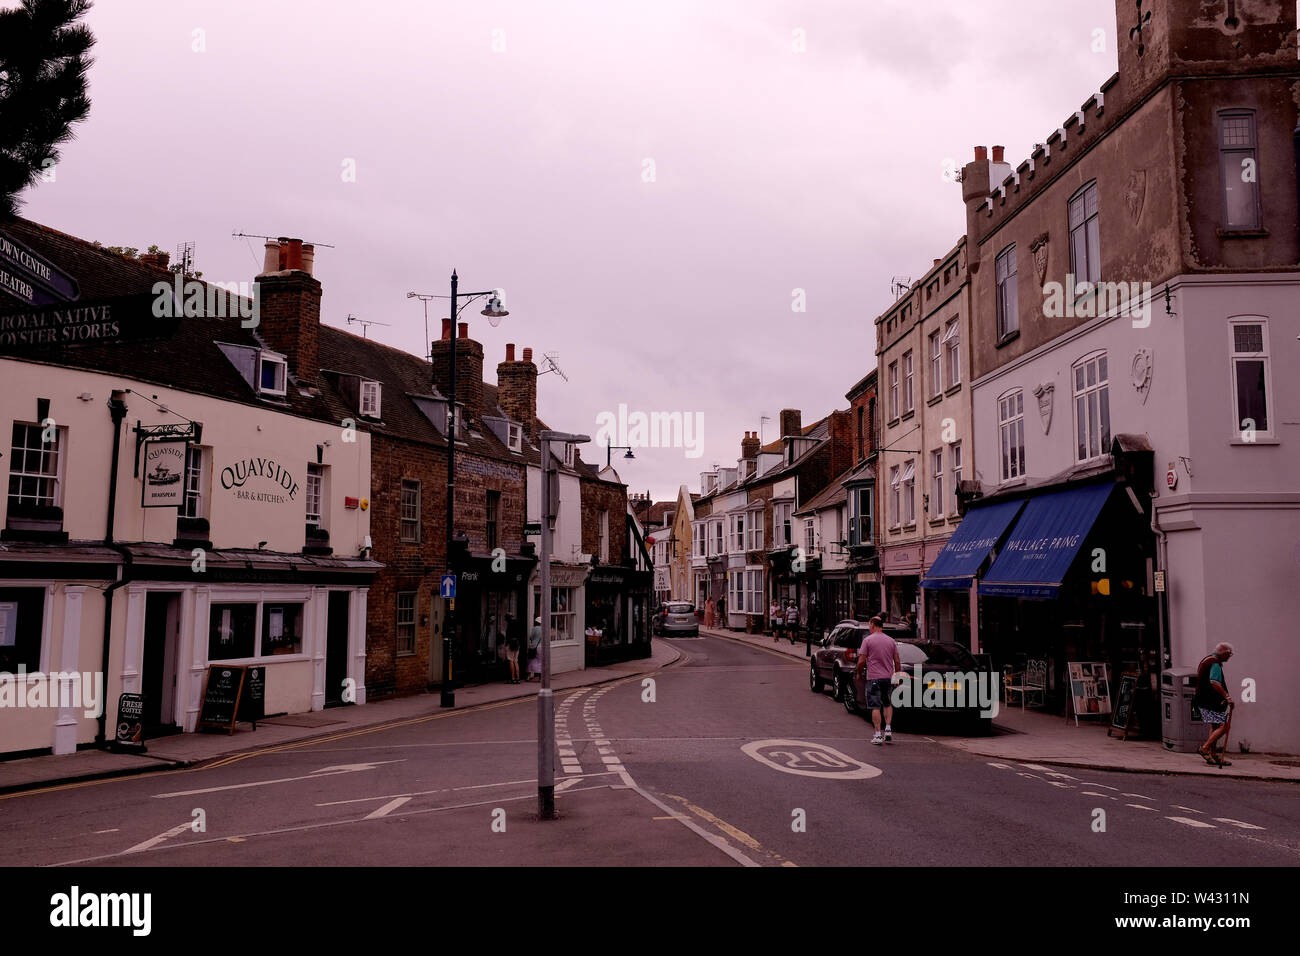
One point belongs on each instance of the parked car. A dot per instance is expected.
(836, 655)
(941, 658)
(677, 619)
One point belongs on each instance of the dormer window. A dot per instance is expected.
(272, 374)
(568, 454)
(369, 398)
(514, 437)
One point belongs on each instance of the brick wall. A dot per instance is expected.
(289, 321)
(596, 497)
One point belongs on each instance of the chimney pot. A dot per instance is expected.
(271, 258)
(308, 257)
(528, 355)
(510, 352)
(997, 154)
(464, 330)
(981, 153)
(446, 329)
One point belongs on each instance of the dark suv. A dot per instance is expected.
(834, 658)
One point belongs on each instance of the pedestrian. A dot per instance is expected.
(792, 621)
(1214, 703)
(879, 655)
(710, 613)
(722, 611)
(776, 619)
(512, 648)
(535, 650)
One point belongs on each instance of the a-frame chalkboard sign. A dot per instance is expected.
(1122, 718)
(221, 694)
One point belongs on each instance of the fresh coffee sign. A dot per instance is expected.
(259, 480)
(164, 474)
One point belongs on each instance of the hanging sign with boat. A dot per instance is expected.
(164, 474)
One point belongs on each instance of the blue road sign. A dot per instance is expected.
(448, 587)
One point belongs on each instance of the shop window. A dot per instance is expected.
(1011, 434)
(406, 623)
(410, 520)
(232, 632)
(1250, 378)
(281, 629)
(1238, 163)
(1085, 242)
(1091, 408)
(36, 469)
(1008, 302)
(563, 615)
(22, 622)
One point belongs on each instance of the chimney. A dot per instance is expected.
(998, 151)
(308, 257)
(791, 422)
(158, 260)
(289, 310)
(975, 179)
(517, 389)
(749, 445)
(469, 370)
(981, 154)
(271, 258)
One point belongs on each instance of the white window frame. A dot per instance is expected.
(514, 437)
(893, 390)
(271, 358)
(718, 537)
(1234, 358)
(1231, 158)
(196, 484)
(908, 481)
(856, 517)
(937, 501)
(370, 398)
(604, 535)
(755, 529)
(562, 597)
(318, 473)
(1098, 362)
(1011, 435)
(408, 484)
(895, 497)
(955, 460)
(1087, 231)
(936, 364)
(259, 600)
(1008, 291)
(399, 623)
(909, 394)
(736, 592)
(60, 443)
(754, 590)
(736, 533)
(782, 524)
(952, 351)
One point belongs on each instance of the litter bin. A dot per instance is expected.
(1182, 730)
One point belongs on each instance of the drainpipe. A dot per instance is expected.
(117, 410)
(1162, 606)
(1295, 140)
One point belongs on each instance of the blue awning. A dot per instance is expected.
(1044, 542)
(977, 535)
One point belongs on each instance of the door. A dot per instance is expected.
(336, 647)
(158, 668)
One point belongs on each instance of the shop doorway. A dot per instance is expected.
(336, 647)
(162, 631)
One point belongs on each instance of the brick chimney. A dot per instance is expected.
(517, 389)
(791, 422)
(749, 445)
(289, 312)
(158, 260)
(469, 370)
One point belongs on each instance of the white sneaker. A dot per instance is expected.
(877, 739)
(889, 736)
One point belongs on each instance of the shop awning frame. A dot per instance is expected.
(980, 531)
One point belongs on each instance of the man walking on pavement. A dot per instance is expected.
(879, 655)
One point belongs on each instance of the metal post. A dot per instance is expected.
(545, 701)
(448, 696)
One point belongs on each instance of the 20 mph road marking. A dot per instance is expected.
(809, 760)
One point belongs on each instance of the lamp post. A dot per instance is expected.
(545, 700)
(495, 312)
(609, 448)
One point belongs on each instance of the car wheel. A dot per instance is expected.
(844, 692)
(815, 681)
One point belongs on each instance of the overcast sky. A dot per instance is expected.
(514, 140)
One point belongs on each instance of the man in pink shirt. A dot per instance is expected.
(879, 655)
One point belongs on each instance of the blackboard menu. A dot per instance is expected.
(252, 705)
(130, 719)
(221, 696)
(1122, 717)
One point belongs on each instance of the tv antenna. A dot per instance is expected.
(551, 364)
(899, 286)
(364, 323)
(185, 257)
(253, 235)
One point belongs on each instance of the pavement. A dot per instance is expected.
(186, 750)
(1028, 735)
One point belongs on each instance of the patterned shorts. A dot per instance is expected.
(1212, 716)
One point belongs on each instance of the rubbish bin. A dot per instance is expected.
(1182, 730)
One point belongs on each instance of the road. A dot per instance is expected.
(725, 759)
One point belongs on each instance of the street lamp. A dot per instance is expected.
(545, 701)
(610, 448)
(495, 312)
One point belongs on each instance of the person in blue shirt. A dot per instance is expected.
(1213, 702)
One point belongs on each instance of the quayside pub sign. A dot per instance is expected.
(274, 483)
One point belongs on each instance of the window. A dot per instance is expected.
(22, 624)
(756, 530)
(514, 437)
(406, 623)
(907, 381)
(604, 537)
(568, 454)
(1091, 408)
(954, 455)
(909, 492)
(281, 629)
(809, 537)
(1085, 243)
(369, 398)
(697, 539)
(861, 529)
(861, 431)
(493, 512)
(315, 481)
(563, 627)
(233, 629)
(895, 492)
(937, 501)
(754, 591)
(936, 364)
(192, 505)
(1238, 162)
(35, 466)
(1011, 434)
(871, 423)
(718, 546)
(410, 511)
(1250, 376)
(737, 533)
(782, 532)
(271, 374)
(1007, 296)
(893, 390)
(951, 341)
(735, 591)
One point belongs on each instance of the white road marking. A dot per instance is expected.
(1137, 796)
(1238, 823)
(424, 793)
(323, 772)
(691, 825)
(1188, 809)
(1089, 783)
(1139, 806)
(387, 808)
(1192, 823)
(827, 763)
(165, 835)
(114, 830)
(1094, 793)
(1001, 766)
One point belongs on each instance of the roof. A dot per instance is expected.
(862, 384)
(833, 494)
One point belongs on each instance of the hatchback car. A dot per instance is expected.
(946, 671)
(677, 619)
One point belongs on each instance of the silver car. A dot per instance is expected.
(677, 619)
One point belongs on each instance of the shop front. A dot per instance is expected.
(836, 597)
(617, 625)
(900, 568)
(491, 602)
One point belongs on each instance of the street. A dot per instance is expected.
(652, 771)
